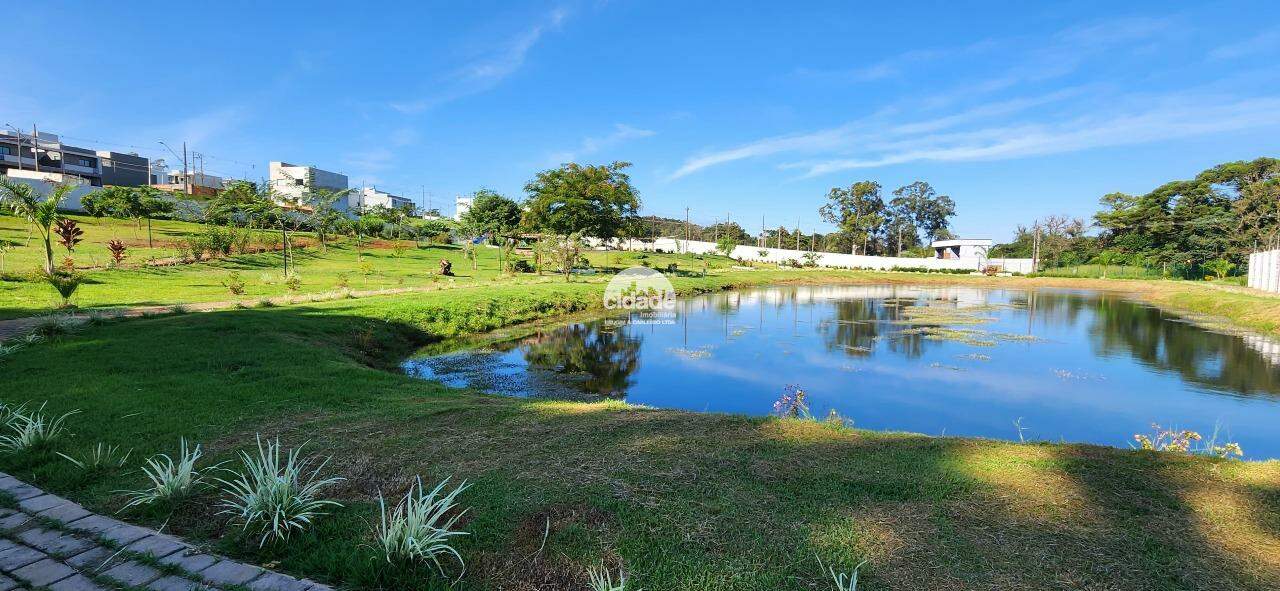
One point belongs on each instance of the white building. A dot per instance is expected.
(462, 205)
(196, 179)
(962, 248)
(372, 197)
(293, 182)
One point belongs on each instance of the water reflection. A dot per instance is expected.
(602, 358)
(1075, 365)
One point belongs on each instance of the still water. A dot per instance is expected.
(1064, 365)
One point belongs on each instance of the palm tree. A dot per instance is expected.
(43, 214)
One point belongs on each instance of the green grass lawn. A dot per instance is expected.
(680, 500)
(320, 270)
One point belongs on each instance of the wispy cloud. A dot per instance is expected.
(863, 130)
(201, 128)
(1267, 41)
(1060, 54)
(621, 134)
(895, 65)
(1175, 119)
(485, 73)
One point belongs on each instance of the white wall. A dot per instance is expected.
(44, 187)
(1264, 270)
(826, 259)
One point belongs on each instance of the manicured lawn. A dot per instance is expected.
(680, 500)
(320, 270)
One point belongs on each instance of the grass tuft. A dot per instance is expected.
(32, 430)
(600, 579)
(421, 525)
(99, 457)
(171, 478)
(276, 495)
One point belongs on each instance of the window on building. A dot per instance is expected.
(6, 151)
(85, 162)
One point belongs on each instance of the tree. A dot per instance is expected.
(591, 200)
(324, 217)
(917, 207)
(40, 213)
(725, 245)
(496, 215)
(152, 203)
(859, 211)
(1220, 268)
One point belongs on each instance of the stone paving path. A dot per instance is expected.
(51, 543)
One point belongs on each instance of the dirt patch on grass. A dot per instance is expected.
(529, 566)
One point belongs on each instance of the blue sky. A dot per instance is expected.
(1016, 110)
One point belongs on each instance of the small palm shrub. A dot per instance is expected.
(171, 478)
(293, 282)
(420, 526)
(277, 494)
(66, 282)
(100, 456)
(32, 430)
(600, 579)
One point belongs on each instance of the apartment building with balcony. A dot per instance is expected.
(46, 154)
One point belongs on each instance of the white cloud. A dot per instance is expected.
(1171, 120)
(202, 127)
(621, 133)
(1267, 41)
(863, 130)
(1058, 55)
(487, 72)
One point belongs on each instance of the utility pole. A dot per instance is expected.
(1035, 251)
(186, 183)
(686, 229)
(797, 233)
(35, 146)
(764, 234)
(19, 132)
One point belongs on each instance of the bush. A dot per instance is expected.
(522, 266)
(234, 283)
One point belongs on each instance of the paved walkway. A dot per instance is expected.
(51, 543)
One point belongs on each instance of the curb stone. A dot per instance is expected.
(73, 559)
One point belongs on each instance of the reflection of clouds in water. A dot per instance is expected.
(717, 368)
(1119, 365)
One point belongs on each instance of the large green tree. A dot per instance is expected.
(496, 215)
(859, 211)
(595, 201)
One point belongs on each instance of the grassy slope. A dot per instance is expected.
(685, 501)
(138, 284)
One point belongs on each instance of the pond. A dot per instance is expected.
(1055, 365)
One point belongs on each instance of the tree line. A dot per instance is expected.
(1184, 228)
